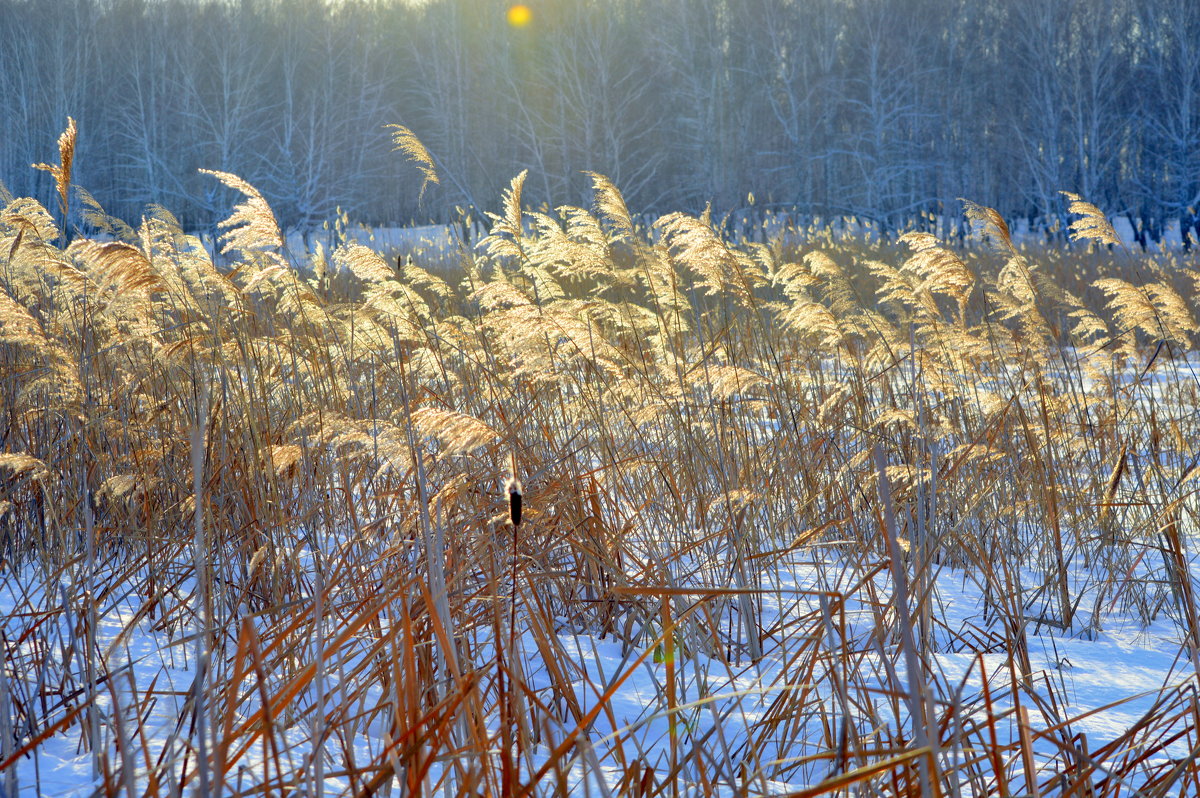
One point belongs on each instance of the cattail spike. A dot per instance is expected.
(514, 503)
(512, 486)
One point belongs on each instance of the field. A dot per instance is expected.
(800, 514)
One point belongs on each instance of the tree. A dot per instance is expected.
(1167, 177)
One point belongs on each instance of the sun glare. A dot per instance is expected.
(519, 15)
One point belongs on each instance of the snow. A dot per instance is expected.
(832, 658)
(1117, 675)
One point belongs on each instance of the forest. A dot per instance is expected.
(888, 112)
(612, 494)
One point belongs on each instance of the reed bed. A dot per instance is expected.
(812, 506)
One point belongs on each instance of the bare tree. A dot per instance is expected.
(1169, 73)
(884, 110)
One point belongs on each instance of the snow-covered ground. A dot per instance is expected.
(1101, 679)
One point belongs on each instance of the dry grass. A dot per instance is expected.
(732, 453)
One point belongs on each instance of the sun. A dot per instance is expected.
(519, 15)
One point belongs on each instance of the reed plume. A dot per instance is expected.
(61, 172)
(407, 142)
(1092, 224)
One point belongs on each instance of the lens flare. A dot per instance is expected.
(519, 16)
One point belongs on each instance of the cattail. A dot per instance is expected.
(512, 486)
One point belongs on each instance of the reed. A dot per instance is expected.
(749, 469)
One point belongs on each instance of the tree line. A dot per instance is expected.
(887, 111)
